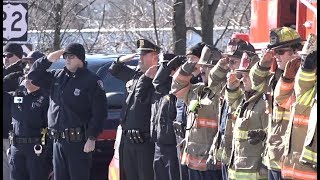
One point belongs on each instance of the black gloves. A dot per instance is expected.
(179, 128)
(256, 136)
(176, 62)
(310, 62)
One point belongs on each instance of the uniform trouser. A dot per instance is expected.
(274, 175)
(138, 160)
(70, 162)
(5, 160)
(205, 175)
(26, 165)
(184, 170)
(165, 163)
(224, 171)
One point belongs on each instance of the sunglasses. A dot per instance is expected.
(8, 55)
(69, 56)
(281, 51)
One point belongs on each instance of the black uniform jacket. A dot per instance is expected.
(29, 116)
(136, 110)
(76, 99)
(163, 109)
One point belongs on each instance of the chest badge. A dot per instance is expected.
(76, 92)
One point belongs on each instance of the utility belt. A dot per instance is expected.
(38, 141)
(69, 134)
(136, 136)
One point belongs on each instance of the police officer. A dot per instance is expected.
(136, 150)
(12, 71)
(28, 106)
(76, 111)
(163, 112)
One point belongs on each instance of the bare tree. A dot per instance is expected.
(179, 27)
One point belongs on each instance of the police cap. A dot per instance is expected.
(145, 46)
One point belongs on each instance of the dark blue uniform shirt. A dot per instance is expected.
(76, 99)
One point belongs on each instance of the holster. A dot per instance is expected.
(179, 128)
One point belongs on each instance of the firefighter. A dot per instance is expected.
(237, 44)
(284, 44)
(250, 126)
(163, 113)
(76, 111)
(181, 118)
(136, 151)
(28, 141)
(202, 100)
(304, 91)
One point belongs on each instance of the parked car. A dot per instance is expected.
(114, 88)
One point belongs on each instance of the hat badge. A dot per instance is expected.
(76, 92)
(141, 42)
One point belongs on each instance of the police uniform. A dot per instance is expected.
(29, 120)
(76, 113)
(136, 151)
(163, 112)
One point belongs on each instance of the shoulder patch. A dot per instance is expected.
(100, 83)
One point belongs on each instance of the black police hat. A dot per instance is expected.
(13, 48)
(145, 45)
(34, 55)
(196, 49)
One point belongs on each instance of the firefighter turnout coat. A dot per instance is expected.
(305, 90)
(202, 121)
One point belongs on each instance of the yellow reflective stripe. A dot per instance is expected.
(232, 174)
(307, 76)
(258, 88)
(256, 71)
(309, 155)
(281, 115)
(239, 134)
(307, 97)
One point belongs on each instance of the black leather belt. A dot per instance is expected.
(70, 134)
(136, 136)
(19, 140)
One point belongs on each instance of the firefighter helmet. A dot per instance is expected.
(282, 37)
(242, 36)
(236, 48)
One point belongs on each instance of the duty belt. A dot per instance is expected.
(136, 136)
(70, 134)
(20, 140)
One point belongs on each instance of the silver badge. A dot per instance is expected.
(76, 92)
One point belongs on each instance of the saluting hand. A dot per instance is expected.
(267, 58)
(126, 58)
(224, 63)
(292, 68)
(89, 146)
(55, 56)
(151, 72)
(232, 81)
